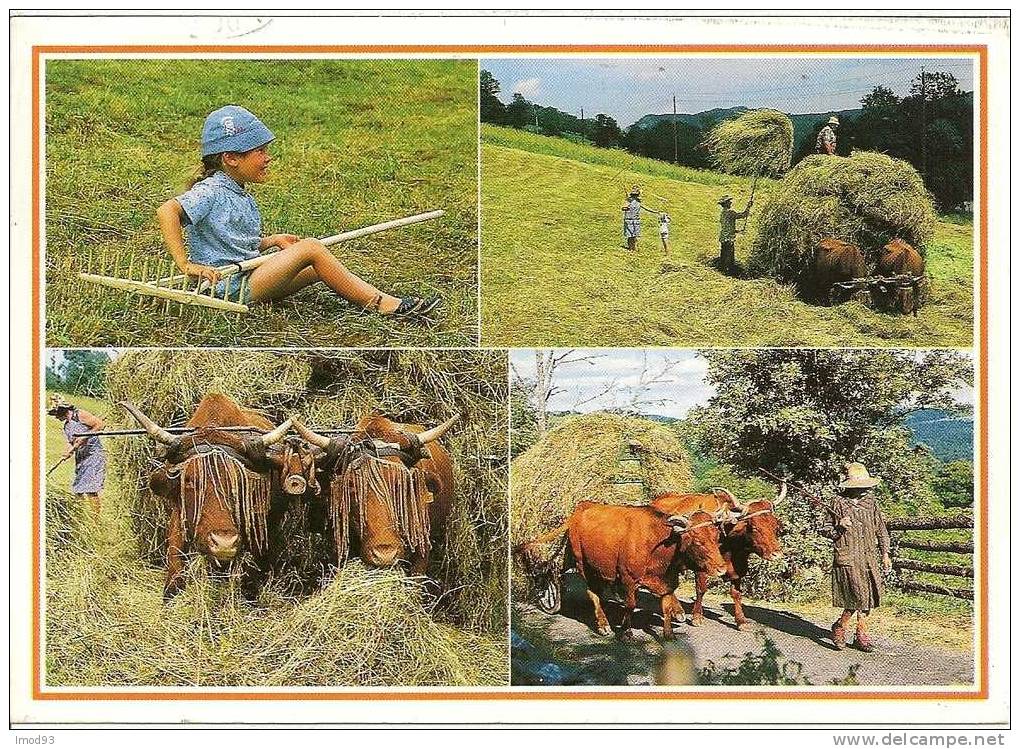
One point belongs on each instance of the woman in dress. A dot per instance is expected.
(89, 456)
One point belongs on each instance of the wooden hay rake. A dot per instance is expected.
(190, 291)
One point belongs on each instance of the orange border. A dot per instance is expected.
(507, 693)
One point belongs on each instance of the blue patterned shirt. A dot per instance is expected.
(222, 222)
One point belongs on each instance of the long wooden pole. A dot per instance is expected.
(255, 262)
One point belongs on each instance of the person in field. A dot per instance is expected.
(223, 226)
(728, 233)
(664, 232)
(89, 456)
(859, 534)
(632, 218)
(825, 143)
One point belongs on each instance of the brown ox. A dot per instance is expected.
(900, 259)
(648, 547)
(390, 490)
(218, 485)
(834, 262)
(748, 529)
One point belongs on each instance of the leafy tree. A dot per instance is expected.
(491, 108)
(606, 133)
(881, 99)
(83, 372)
(523, 418)
(954, 484)
(934, 86)
(808, 413)
(519, 112)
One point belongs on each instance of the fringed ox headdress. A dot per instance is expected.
(402, 491)
(243, 493)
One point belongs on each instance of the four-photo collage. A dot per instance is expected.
(542, 375)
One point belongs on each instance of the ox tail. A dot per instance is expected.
(546, 570)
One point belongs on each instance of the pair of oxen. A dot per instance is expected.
(837, 262)
(651, 547)
(387, 489)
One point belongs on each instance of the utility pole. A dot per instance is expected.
(924, 125)
(676, 160)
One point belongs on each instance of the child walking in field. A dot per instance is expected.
(664, 232)
(223, 226)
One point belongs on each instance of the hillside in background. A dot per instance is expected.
(950, 437)
(804, 125)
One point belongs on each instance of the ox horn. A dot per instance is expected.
(782, 494)
(741, 509)
(678, 522)
(271, 438)
(157, 432)
(431, 435)
(308, 435)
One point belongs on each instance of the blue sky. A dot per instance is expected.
(629, 88)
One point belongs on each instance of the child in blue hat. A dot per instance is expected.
(223, 226)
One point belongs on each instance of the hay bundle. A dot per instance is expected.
(759, 142)
(866, 199)
(581, 459)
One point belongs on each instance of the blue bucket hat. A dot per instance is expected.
(233, 128)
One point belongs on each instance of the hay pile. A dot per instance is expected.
(865, 199)
(759, 142)
(580, 458)
(107, 624)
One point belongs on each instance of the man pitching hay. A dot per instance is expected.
(826, 142)
(856, 526)
(728, 233)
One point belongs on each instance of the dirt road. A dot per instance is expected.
(567, 639)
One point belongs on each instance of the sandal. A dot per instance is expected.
(416, 308)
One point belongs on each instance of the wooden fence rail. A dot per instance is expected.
(960, 521)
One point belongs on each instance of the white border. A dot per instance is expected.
(27, 31)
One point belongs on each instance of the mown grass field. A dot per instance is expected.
(555, 271)
(358, 142)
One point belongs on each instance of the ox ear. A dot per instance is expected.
(678, 523)
(163, 485)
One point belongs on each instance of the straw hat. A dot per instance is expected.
(857, 477)
(834, 120)
(635, 191)
(725, 200)
(57, 404)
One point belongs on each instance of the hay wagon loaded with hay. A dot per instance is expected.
(848, 228)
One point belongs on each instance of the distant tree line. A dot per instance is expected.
(931, 128)
(80, 372)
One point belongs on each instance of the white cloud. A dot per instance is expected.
(528, 87)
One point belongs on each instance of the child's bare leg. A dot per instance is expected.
(307, 261)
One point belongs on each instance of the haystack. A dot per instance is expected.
(366, 627)
(759, 142)
(605, 457)
(865, 199)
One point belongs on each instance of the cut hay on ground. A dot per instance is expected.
(865, 199)
(581, 459)
(759, 142)
(366, 627)
(107, 624)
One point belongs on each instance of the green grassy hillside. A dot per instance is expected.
(555, 271)
(358, 142)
